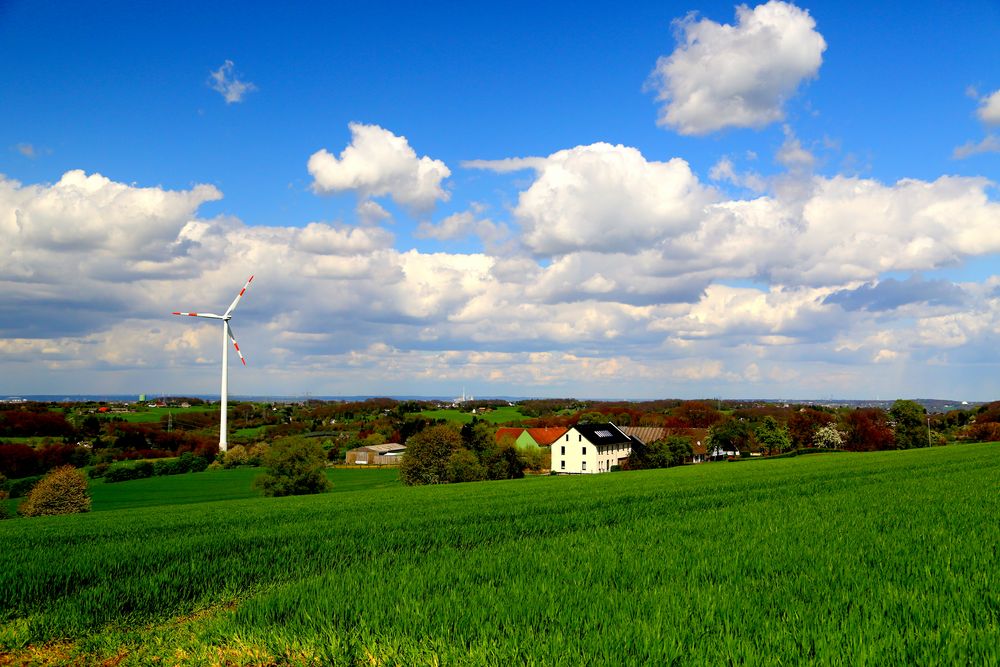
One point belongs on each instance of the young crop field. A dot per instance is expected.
(854, 559)
(155, 415)
(500, 415)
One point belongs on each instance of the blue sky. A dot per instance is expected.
(782, 200)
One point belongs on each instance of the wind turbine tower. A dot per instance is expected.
(227, 335)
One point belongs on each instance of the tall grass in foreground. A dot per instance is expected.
(849, 559)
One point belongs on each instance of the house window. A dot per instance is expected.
(584, 450)
(584, 467)
(579, 437)
(562, 465)
(567, 437)
(562, 450)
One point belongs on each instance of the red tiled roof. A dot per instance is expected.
(547, 435)
(507, 431)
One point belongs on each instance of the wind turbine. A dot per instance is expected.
(227, 335)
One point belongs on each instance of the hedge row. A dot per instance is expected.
(187, 462)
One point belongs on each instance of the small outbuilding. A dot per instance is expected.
(387, 454)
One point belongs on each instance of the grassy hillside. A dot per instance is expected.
(212, 486)
(500, 415)
(884, 558)
(155, 415)
(217, 485)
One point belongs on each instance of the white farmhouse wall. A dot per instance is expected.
(574, 454)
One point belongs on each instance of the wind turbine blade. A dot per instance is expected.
(210, 316)
(239, 296)
(229, 330)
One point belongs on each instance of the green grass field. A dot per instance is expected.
(213, 485)
(250, 433)
(853, 559)
(501, 415)
(154, 415)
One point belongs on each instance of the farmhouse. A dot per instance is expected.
(590, 448)
(697, 436)
(531, 438)
(381, 455)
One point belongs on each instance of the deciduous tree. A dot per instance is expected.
(62, 491)
(730, 435)
(425, 460)
(295, 466)
(803, 424)
(910, 429)
(867, 429)
(827, 437)
(773, 436)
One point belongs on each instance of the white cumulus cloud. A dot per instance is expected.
(723, 75)
(379, 163)
(608, 198)
(989, 109)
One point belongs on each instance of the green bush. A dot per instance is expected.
(166, 467)
(463, 466)
(235, 456)
(295, 466)
(98, 471)
(125, 473)
(143, 469)
(62, 491)
(198, 464)
(425, 460)
(119, 473)
(185, 462)
(18, 488)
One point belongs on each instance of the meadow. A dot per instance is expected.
(854, 559)
(501, 415)
(156, 415)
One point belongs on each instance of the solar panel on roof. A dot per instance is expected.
(603, 434)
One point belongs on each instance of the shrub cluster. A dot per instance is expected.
(295, 466)
(442, 455)
(18, 488)
(187, 462)
(238, 455)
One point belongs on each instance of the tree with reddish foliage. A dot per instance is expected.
(990, 412)
(55, 456)
(984, 432)
(802, 425)
(867, 430)
(19, 460)
(34, 423)
(695, 414)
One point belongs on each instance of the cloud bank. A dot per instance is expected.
(621, 270)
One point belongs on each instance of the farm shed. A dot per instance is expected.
(376, 455)
(697, 436)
